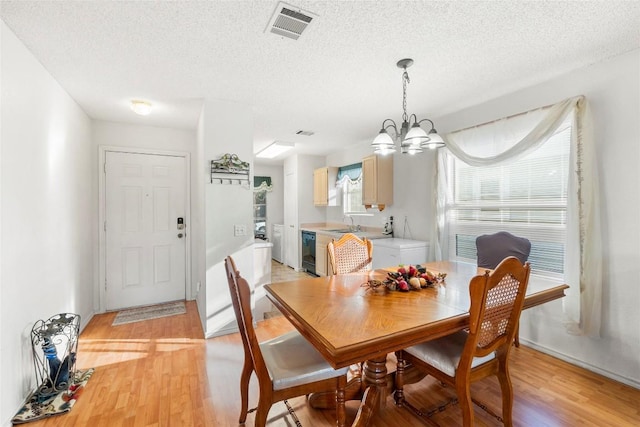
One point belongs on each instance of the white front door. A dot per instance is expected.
(145, 195)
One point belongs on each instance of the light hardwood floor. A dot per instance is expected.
(163, 373)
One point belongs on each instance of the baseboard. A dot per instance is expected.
(611, 375)
(224, 331)
(85, 319)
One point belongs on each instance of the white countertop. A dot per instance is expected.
(259, 243)
(399, 243)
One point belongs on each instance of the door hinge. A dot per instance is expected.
(104, 167)
(105, 226)
(105, 285)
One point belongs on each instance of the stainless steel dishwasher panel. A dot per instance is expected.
(309, 251)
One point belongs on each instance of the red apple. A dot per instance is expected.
(403, 286)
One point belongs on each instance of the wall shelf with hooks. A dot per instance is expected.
(229, 169)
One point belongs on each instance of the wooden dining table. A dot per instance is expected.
(349, 323)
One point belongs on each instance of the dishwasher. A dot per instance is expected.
(309, 251)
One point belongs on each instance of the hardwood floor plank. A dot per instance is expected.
(163, 373)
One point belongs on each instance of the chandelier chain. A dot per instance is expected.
(405, 80)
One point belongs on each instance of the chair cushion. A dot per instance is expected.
(493, 248)
(292, 360)
(444, 353)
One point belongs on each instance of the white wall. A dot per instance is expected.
(198, 256)
(613, 90)
(275, 197)
(147, 137)
(226, 127)
(48, 217)
(307, 211)
(131, 136)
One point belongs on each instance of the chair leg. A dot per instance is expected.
(466, 405)
(340, 407)
(245, 377)
(516, 338)
(262, 412)
(507, 394)
(399, 385)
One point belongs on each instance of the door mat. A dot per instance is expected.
(39, 406)
(147, 313)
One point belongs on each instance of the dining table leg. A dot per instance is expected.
(372, 391)
(375, 375)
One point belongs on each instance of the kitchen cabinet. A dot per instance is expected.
(322, 254)
(377, 181)
(325, 192)
(393, 252)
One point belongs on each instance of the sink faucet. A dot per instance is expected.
(352, 228)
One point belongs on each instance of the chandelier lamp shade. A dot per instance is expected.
(410, 136)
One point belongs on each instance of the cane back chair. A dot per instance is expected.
(483, 350)
(350, 254)
(493, 248)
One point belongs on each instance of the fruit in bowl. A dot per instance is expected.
(412, 277)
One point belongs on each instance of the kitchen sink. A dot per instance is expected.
(341, 230)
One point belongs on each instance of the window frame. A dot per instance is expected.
(350, 191)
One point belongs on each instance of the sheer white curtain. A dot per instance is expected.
(510, 138)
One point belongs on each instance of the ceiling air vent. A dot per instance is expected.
(289, 21)
(304, 132)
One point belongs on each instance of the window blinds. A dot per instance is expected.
(527, 197)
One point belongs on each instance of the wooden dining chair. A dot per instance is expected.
(350, 254)
(287, 366)
(483, 350)
(493, 248)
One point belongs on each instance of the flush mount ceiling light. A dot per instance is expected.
(274, 149)
(411, 137)
(141, 107)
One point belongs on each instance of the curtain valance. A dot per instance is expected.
(351, 172)
(261, 183)
(510, 138)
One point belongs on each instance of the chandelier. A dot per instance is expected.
(411, 137)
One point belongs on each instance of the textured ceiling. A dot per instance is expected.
(338, 80)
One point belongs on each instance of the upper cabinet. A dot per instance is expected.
(377, 181)
(325, 192)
